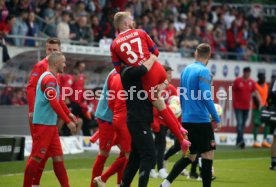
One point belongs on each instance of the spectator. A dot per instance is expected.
(20, 28)
(266, 49)
(49, 15)
(32, 29)
(63, 28)
(96, 28)
(81, 31)
(3, 11)
(13, 7)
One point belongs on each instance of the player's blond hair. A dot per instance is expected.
(119, 18)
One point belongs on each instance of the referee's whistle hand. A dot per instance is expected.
(72, 127)
(218, 127)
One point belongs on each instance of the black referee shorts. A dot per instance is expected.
(201, 136)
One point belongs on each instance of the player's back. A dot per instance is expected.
(133, 47)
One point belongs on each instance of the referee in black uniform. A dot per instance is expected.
(197, 105)
(139, 118)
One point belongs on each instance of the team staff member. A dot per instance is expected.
(52, 45)
(139, 118)
(45, 132)
(196, 79)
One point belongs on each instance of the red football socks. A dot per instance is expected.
(61, 174)
(97, 168)
(30, 172)
(171, 122)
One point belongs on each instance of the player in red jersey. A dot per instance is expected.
(133, 47)
(123, 139)
(48, 105)
(52, 45)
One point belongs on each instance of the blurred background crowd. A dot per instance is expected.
(175, 25)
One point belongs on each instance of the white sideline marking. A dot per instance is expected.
(84, 169)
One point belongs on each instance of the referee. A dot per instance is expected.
(139, 119)
(197, 104)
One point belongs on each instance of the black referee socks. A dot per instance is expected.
(206, 172)
(181, 164)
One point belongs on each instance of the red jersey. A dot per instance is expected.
(242, 90)
(66, 81)
(37, 71)
(118, 104)
(132, 47)
(78, 85)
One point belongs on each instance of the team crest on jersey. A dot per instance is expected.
(43, 150)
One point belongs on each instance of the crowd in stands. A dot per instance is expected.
(177, 25)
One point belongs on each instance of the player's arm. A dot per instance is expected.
(110, 90)
(66, 110)
(131, 72)
(116, 61)
(31, 87)
(205, 89)
(152, 47)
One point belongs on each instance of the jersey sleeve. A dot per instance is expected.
(206, 95)
(116, 61)
(48, 86)
(31, 87)
(152, 47)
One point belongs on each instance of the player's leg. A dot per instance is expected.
(172, 150)
(183, 162)
(42, 136)
(36, 180)
(256, 123)
(178, 167)
(244, 119)
(266, 130)
(206, 148)
(106, 135)
(58, 163)
(160, 144)
(124, 143)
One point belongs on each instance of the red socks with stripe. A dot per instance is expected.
(30, 172)
(61, 173)
(97, 168)
(172, 123)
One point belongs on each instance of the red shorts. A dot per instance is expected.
(106, 135)
(46, 140)
(155, 76)
(123, 138)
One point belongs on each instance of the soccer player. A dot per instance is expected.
(161, 130)
(197, 104)
(123, 139)
(133, 47)
(47, 106)
(52, 45)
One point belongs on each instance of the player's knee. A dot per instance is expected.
(208, 155)
(37, 159)
(58, 158)
(104, 153)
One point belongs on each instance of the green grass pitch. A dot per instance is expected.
(233, 168)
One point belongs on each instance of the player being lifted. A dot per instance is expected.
(132, 47)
